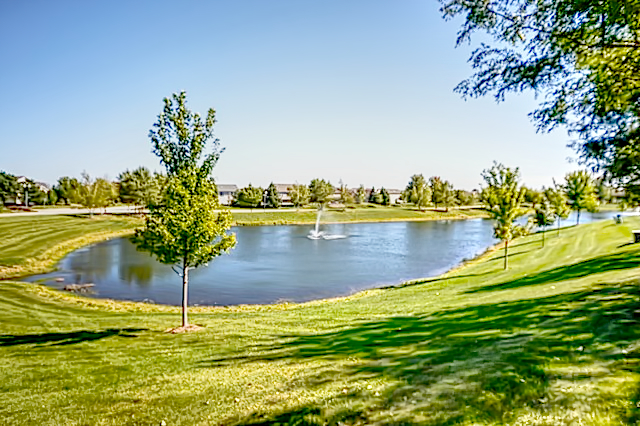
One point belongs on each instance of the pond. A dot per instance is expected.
(279, 263)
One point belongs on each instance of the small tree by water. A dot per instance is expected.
(543, 217)
(503, 197)
(185, 229)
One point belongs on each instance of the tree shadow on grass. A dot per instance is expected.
(56, 339)
(484, 363)
(606, 263)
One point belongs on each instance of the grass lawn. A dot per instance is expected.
(359, 214)
(552, 341)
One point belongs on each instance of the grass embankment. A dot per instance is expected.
(31, 245)
(359, 214)
(552, 341)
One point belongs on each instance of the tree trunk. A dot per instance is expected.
(506, 254)
(544, 228)
(185, 293)
(578, 220)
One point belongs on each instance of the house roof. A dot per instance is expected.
(227, 187)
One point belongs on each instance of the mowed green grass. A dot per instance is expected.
(359, 214)
(33, 244)
(552, 341)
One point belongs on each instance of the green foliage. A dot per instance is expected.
(180, 136)
(320, 191)
(52, 197)
(8, 187)
(580, 57)
(532, 196)
(385, 200)
(96, 193)
(374, 196)
(186, 228)
(543, 216)
(249, 196)
(68, 189)
(361, 195)
(580, 191)
(346, 197)
(139, 187)
(273, 198)
(464, 198)
(417, 192)
(442, 193)
(503, 198)
(299, 195)
(30, 193)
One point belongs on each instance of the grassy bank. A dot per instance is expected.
(30, 245)
(359, 214)
(552, 341)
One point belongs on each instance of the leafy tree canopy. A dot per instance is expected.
(320, 191)
(581, 58)
(249, 196)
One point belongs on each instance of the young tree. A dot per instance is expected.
(417, 192)
(361, 195)
(543, 217)
(95, 193)
(186, 228)
(503, 198)
(441, 192)
(299, 195)
(346, 197)
(52, 197)
(374, 196)
(8, 187)
(580, 192)
(249, 196)
(320, 191)
(273, 200)
(558, 202)
(385, 200)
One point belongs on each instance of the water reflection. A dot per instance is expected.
(273, 263)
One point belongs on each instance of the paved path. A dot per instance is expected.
(65, 210)
(113, 210)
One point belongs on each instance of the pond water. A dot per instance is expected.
(278, 263)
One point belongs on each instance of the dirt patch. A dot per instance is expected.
(187, 329)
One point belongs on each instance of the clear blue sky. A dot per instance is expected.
(358, 90)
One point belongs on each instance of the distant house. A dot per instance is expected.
(283, 192)
(22, 181)
(394, 195)
(225, 193)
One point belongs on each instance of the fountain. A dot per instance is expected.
(316, 234)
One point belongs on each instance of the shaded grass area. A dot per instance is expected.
(359, 214)
(561, 346)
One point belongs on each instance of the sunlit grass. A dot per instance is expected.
(552, 341)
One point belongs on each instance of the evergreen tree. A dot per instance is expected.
(273, 198)
(385, 200)
(8, 187)
(374, 196)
